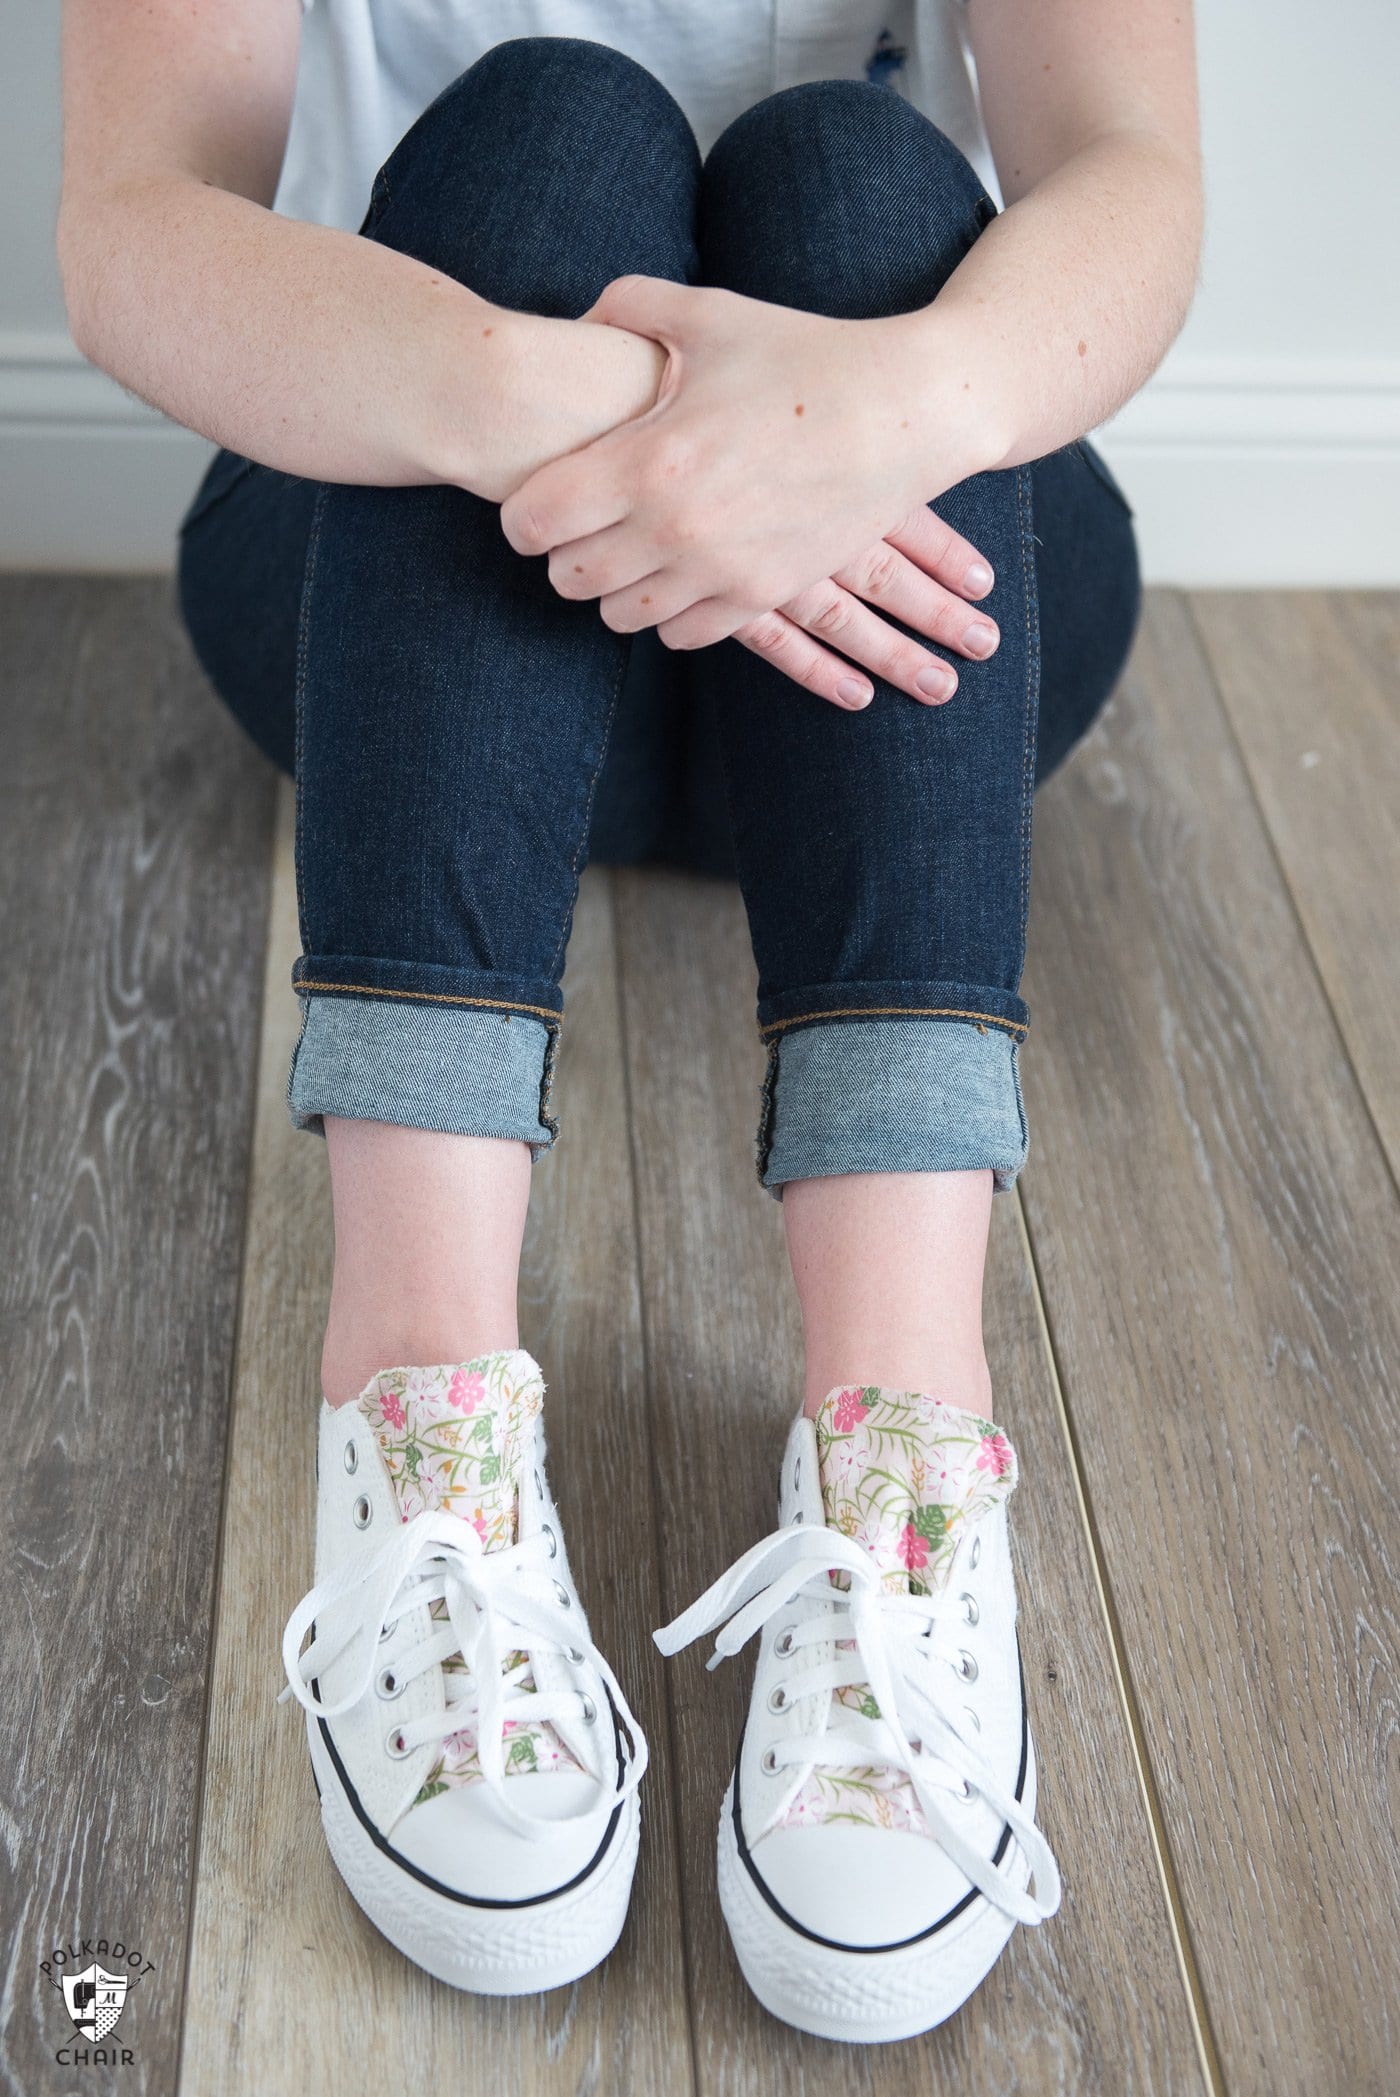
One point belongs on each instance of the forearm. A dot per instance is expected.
(328, 355)
(1065, 305)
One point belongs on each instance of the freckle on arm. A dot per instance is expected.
(487, 331)
(799, 409)
(1083, 349)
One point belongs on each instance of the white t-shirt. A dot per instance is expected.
(369, 68)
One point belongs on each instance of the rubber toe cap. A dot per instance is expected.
(859, 1886)
(461, 1841)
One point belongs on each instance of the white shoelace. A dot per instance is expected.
(497, 1603)
(888, 1642)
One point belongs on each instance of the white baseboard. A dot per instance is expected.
(89, 477)
(1265, 473)
(1244, 472)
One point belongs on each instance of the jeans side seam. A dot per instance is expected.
(768, 1103)
(582, 845)
(303, 656)
(802, 1019)
(1030, 589)
(431, 997)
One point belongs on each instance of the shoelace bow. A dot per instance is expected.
(497, 1603)
(885, 1641)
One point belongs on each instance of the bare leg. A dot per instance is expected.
(888, 1269)
(428, 1230)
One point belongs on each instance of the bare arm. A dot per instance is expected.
(304, 347)
(1071, 298)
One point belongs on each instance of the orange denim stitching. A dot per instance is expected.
(891, 1012)
(432, 997)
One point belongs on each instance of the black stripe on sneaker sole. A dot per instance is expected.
(973, 1893)
(469, 1900)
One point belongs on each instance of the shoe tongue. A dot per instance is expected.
(905, 1475)
(459, 1436)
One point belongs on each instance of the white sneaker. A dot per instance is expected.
(476, 1760)
(878, 1837)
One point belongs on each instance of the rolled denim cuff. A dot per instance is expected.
(457, 1069)
(892, 1095)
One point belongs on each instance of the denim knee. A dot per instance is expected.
(840, 197)
(569, 74)
(474, 186)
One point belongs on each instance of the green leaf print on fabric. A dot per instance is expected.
(903, 1475)
(458, 1436)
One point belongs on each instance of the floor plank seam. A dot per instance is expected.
(1237, 744)
(235, 1365)
(1197, 2007)
(673, 1754)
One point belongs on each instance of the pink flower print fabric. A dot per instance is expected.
(459, 1436)
(904, 1475)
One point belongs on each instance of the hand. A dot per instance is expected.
(901, 576)
(776, 453)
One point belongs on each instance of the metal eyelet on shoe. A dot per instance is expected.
(783, 1642)
(396, 1746)
(590, 1711)
(973, 1716)
(968, 1668)
(386, 1631)
(969, 1790)
(972, 1612)
(352, 1458)
(539, 1486)
(798, 1516)
(388, 1685)
(363, 1512)
(797, 1474)
(974, 1554)
(574, 1655)
(561, 1594)
(553, 1540)
(768, 1762)
(778, 1699)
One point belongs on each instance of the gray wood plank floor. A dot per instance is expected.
(1192, 1321)
(134, 838)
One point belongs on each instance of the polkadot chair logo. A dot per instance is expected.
(95, 1977)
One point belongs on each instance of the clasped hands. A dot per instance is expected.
(782, 447)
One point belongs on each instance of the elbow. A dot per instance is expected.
(72, 247)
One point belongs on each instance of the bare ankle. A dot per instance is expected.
(960, 1378)
(355, 1351)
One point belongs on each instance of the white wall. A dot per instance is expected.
(1266, 451)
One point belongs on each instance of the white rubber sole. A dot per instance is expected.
(486, 1951)
(866, 1998)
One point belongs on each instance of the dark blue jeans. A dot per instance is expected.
(463, 739)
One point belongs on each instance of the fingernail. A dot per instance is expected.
(978, 579)
(980, 639)
(852, 692)
(936, 684)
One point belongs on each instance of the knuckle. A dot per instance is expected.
(879, 572)
(672, 458)
(831, 614)
(529, 531)
(767, 635)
